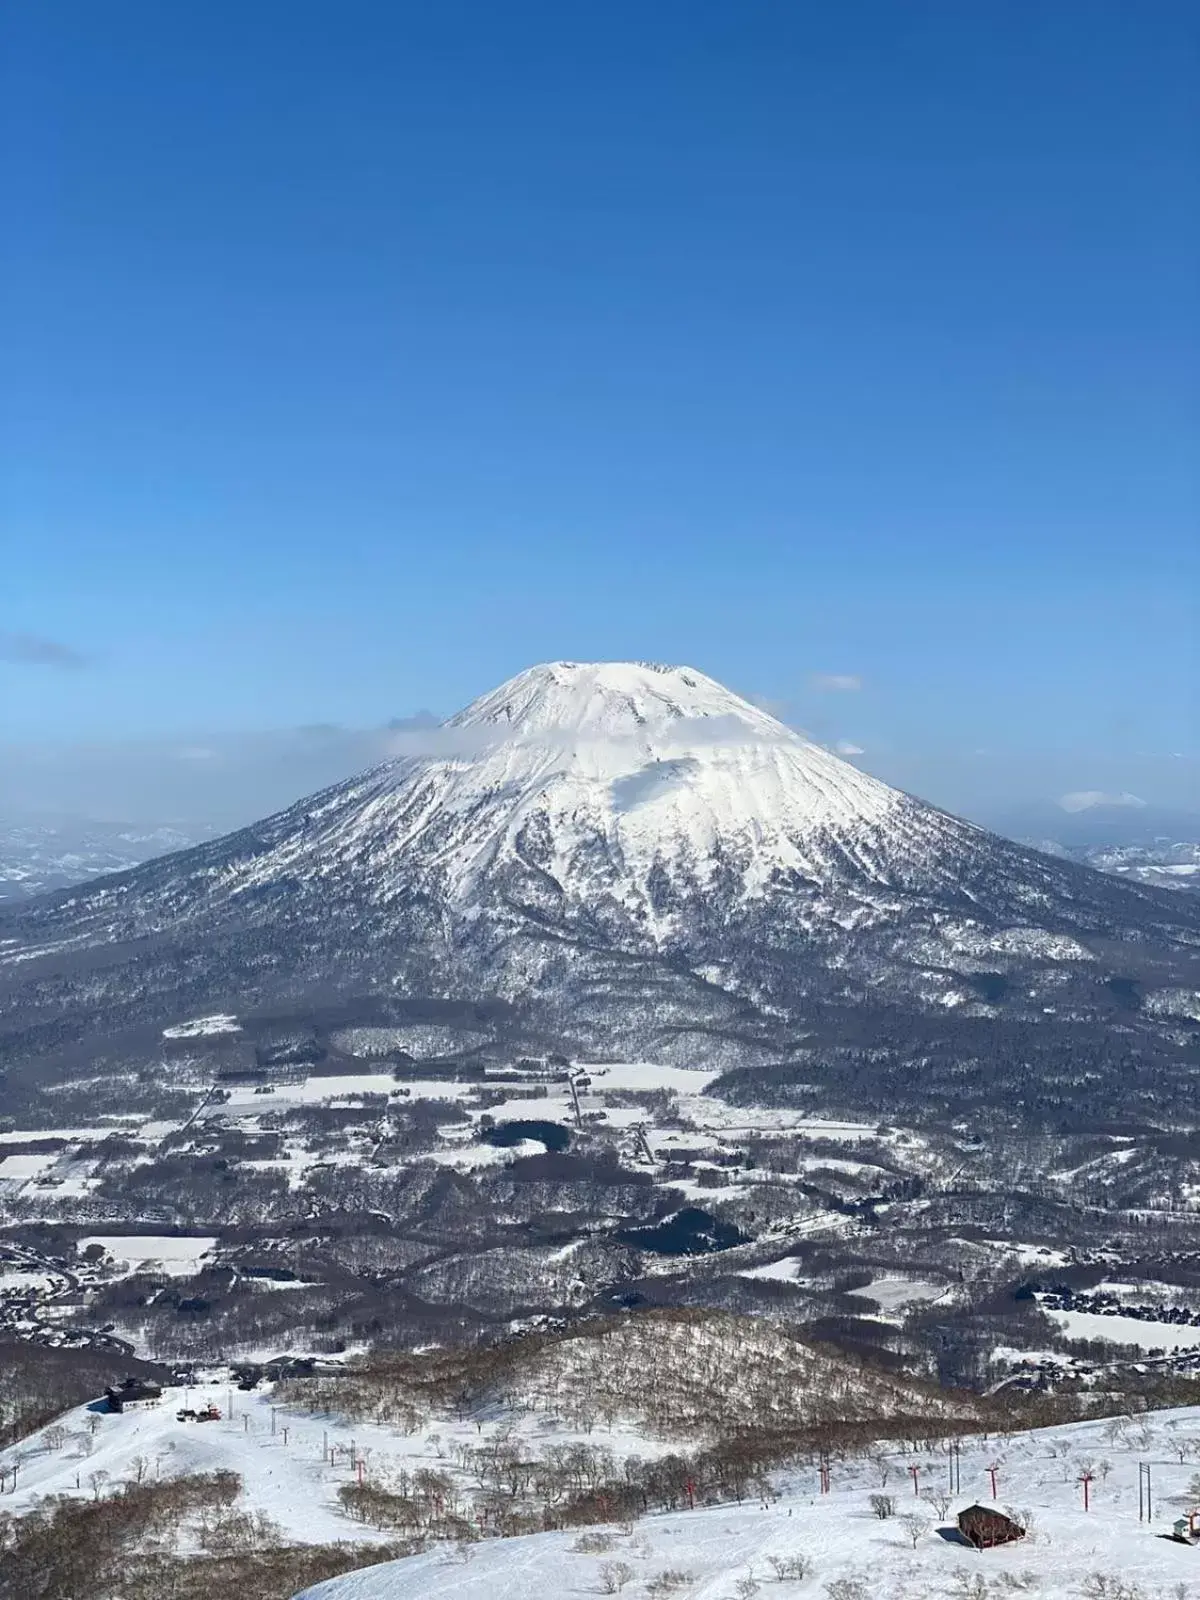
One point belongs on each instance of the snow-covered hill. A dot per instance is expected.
(1166, 865)
(1118, 834)
(635, 851)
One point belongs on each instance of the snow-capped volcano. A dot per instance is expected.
(605, 779)
(642, 802)
(586, 831)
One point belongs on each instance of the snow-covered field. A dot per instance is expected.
(176, 1257)
(1152, 1290)
(20, 1280)
(334, 1089)
(1125, 1330)
(1030, 1255)
(892, 1291)
(469, 1156)
(648, 1075)
(200, 1027)
(18, 1168)
(785, 1271)
(69, 1135)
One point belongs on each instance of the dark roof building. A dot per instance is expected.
(133, 1392)
(986, 1526)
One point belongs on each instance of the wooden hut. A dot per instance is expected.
(987, 1526)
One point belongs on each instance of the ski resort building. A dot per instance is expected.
(133, 1392)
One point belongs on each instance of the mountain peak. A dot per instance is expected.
(612, 699)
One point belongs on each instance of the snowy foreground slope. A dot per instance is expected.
(279, 1455)
(720, 1553)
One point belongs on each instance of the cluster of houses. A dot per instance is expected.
(1047, 1372)
(1106, 1304)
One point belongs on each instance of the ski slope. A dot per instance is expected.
(716, 1548)
(288, 1476)
(282, 1475)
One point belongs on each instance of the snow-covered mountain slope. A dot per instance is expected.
(808, 1544)
(595, 784)
(593, 829)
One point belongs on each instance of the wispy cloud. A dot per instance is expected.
(836, 682)
(845, 748)
(30, 649)
(1087, 799)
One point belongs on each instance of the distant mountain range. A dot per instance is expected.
(1117, 834)
(37, 855)
(1166, 864)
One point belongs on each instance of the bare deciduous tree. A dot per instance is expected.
(938, 1500)
(668, 1581)
(915, 1526)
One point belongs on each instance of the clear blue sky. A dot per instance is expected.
(359, 354)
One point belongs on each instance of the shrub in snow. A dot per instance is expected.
(848, 1589)
(794, 1568)
(1100, 1586)
(668, 1581)
(593, 1544)
(614, 1575)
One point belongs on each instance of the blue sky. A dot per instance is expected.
(359, 355)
